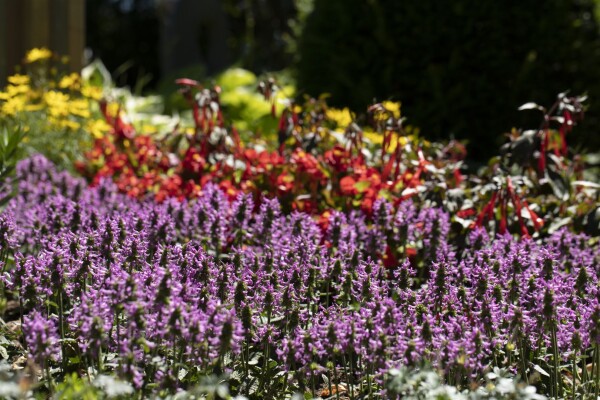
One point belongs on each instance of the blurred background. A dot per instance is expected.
(460, 68)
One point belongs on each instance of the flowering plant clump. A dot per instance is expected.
(324, 161)
(161, 295)
(58, 110)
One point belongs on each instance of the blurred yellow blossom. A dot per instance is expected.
(57, 103)
(98, 128)
(13, 91)
(148, 128)
(37, 54)
(342, 118)
(92, 92)
(19, 80)
(372, 136)
(68, 124)
(393, 107)
(113, 109)
(71, 81)
(80, 108)
(13, 105)
(377, 139)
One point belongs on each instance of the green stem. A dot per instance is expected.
(247, 357)
(3, 258)
(556, 362)
(49, 377)
(351, 379)
(347, 377)
(329, 383)
(585, 379)
(312, 383)
(337, 388)
(574, 373)
(523, 361)
(369, 382)
(285, 382)
(100, 360)
(61, 327)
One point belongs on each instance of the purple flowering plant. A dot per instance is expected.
(164, 295)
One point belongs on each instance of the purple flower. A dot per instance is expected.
(41, 337)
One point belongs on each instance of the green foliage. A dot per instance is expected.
(76, 388)
(246, 108)
(10, 152)
(457, 67)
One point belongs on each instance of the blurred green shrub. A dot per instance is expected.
(457, 67)
(246, 108)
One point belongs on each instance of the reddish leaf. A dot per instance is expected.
(187, 82)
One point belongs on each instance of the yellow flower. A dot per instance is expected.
(69, 124)
(19, 80)
(92, 92)
(80, 108)
(342, 118)
(13, 105)
(69, 82)
(377, 139)
(13, 91)
(374, 137)
(393, 107)
(98, 128)
(58, 103)
(147, 128)
(113, 109)
(37, 54)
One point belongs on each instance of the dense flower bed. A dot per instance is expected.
(163, 294)
(287, 248)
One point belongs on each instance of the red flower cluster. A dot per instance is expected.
(307, 170)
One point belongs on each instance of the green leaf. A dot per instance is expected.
(236, 77)
(362, 186)
(74, 360)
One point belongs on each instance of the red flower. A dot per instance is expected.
(347, 186)
(193, 161)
